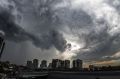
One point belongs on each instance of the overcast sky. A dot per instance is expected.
(64, 29)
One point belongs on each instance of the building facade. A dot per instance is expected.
(35, 63)
(56, 63)
(77, 64)
(60, 64)
(67, 64)
(43, 64)
(29, 64)
(50, 66)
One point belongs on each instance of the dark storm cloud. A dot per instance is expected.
(102, 47)
(100, 44)
(10, 28)
(15, 33)
(103, 40)
(114, 3)
(96, 24)
(52, 38)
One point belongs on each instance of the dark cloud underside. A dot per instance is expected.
(47, 24)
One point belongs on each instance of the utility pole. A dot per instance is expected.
(2, 45)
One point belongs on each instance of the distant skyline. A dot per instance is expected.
(64, 29)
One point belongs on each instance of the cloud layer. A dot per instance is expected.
(89, 28)
(14, 32)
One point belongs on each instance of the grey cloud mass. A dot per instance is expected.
(92, 25)
(14, 32)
